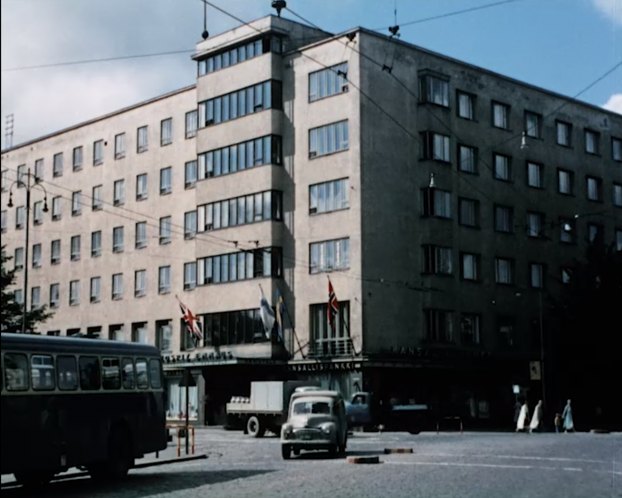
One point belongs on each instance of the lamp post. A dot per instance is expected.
(31, 181)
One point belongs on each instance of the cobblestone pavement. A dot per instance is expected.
(441, 465)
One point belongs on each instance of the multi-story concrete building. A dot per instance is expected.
(441, 200)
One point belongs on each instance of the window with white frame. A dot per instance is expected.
(38, 212)
(141, 187)
(164, 279)
(434, 89)
(190, 224)
(166, 180)
(54, 295)
(565, 181)
(467, 157)
(617, 194)
(435, 146)
(466, 105)
(140, 283)
(469, 266)
(119, 146)
(117, 286)
(75, 248)
(18, 259)
(504, 218)
(38, 169)
(190, 275)
(96, 243)
(501, 165)
(20, 217)
(329, 81)
(533, 124)
(436, 202)
(329, 255)
(470, 328)
(190, 174)
(500, 115)
(118, 198)
(35, 297)
(76, 203)
(437, 260)
(592, 139)
(535, 225)
(117, 239)
(56, 212)
(535, 175)
(563, 133)
(439, 326)
(166, 131)
(140, 239)
(95, 289)
(328, 139)
(98, 152)
(74, 292)
(142, 139)
(57, 165)
(594, 188)
(329, 196)
(616, 149)
(97, 198)
(165, 230)
(192, 121)
(37, 250)
(536, 275)
(78, 158)
(504, 271)
(55, 252)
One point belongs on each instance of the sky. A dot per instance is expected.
(564, 46)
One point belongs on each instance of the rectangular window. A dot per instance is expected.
(191, 124)
(119, 146)
(35, 297)
(54, 295)
(535, 175)
(164, 279)
(96, 244)
(90, 378)
(166, 180)
(565, 182)
(435, 146)
(502, 170)
(164, 335)
(37, 251)
(38, 170)
(190, 275)
(190, 174)
(328, 139)
(505, 330)
(3, 225)
(20, 217)
(469, 266)
(57, 165)
(142, 139)
(616, 149)
(119, 193)
(504, 271)
(592, 142)
(243, 265)
(437, 260)
(533, 124)
(536, 275)
(439, 326)
(98, 152)
(75, 248)
(594, 188)
(329, 196)
(76, 203)
(504, 219)
(55, 252)
(436, 202)
(38, 213)
(618, 239)
(617, 194)
(77, 158)
(74, 293)
(434, 90)
(567, 230)
(563, 133)
(117, 286)
(97, 202)
(466, 105)
(468, 212)
(190, 224)
(141, 187)
(140, 283)
(467, 157)
(141, 235)
(18, 259)
(470, 328)
(330, 81)
(501, 115)
(166, 131)
(165, 230)
(535, 225)
(117, 239)
(329, 255)
(594, 232)
(95, 289)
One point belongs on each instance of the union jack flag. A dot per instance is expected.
(333, 304)
(193, 326)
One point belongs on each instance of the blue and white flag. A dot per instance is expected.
(267, 314)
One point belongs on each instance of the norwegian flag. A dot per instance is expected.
(192, 322)
(333, 305)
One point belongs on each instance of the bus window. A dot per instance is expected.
(67, 370)
(16, 371)
(42, 372)
(128, 373)
(142, 379)
(111, 373)
(155, 374)
(89, 373)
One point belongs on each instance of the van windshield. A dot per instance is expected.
(311, 407)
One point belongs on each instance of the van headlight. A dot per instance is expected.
(287, 431)
(327, 428)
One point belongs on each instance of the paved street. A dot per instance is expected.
(448, 464)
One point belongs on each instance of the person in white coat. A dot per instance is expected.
(567, 418)
(536, 420)
(523, 417)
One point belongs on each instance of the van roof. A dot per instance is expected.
(316, 393)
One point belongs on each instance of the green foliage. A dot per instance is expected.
(11, 312)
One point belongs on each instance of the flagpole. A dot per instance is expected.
(345, 324)
(293, 327)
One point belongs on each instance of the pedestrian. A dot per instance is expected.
(558, 422)
(523, 417)
(567, 418)
(536, 420)
(517, 406)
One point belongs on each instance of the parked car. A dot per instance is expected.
(316, 421)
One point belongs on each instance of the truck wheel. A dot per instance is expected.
(254, 427)
(286, 451)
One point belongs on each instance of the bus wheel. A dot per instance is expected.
(254, 427)
(33, 479)
(120, 457)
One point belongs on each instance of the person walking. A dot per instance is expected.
(568, 423)
(536, 420)
(523, 417)
(558, 422)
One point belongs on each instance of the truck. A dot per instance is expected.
(367, 412)
(265, 409)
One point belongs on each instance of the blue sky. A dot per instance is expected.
(560, 45)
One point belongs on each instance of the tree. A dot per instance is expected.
(11, 312)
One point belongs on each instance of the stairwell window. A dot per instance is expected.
(330, 81)
(328, 139)
(329, 196)
(434, 89)
(329, 255)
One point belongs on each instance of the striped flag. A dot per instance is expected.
(267, 314)
(280, 307)
(333, 304)
(193, 326)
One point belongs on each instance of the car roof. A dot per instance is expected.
(316, 394)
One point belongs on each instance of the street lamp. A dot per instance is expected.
(31, 181)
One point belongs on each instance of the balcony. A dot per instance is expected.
(326, 348)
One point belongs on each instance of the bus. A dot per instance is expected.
(78, 402)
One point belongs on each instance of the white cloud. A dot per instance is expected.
(614, 103)
(610, 8)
